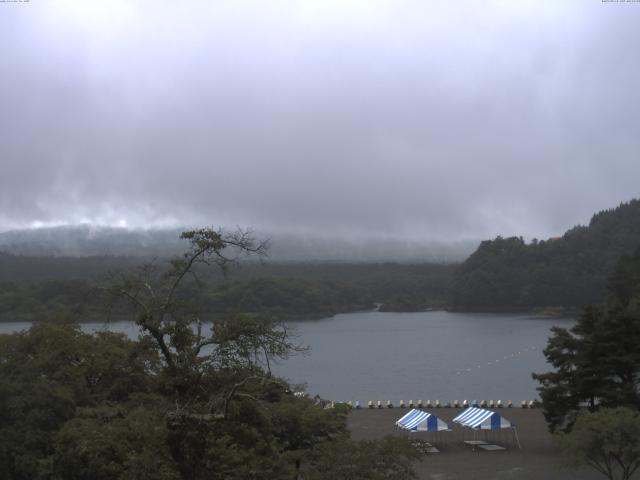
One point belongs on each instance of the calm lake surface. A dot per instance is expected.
(427, 355)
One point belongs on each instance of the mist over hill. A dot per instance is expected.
(87, 240)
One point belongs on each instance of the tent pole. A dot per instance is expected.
(515, 431)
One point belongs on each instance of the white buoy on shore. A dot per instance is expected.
(389, 404)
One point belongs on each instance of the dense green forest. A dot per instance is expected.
(557, 274)
(570, 271)
(177, 403)
(31, 287)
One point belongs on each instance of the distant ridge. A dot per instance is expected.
(86, 240)
(569, 271)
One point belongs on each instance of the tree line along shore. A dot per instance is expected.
(551, 277)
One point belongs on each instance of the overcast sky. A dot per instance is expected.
(430, 120)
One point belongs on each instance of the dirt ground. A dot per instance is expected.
(537, 459)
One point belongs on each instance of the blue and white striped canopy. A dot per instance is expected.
(420, 421)
(482, 419)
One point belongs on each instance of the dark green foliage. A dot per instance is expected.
(607, 440)
(21, 268)
(597, 362)
(389, 459)
(49, 372)
(124, 441)
(298, 298)
(292, 291)
(571, 271)
(26, 301)
(182, 402)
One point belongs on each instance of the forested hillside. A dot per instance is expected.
(502, 274)
(570, 271)
(33, 287)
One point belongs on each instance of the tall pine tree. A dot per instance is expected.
(597, 361)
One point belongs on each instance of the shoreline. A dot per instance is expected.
(539, 457)
(533, 314)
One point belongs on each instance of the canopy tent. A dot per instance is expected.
(482, 419)
(421, 421)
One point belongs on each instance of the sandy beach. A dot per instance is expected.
(537, 459)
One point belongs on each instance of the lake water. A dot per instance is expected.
(427, 355)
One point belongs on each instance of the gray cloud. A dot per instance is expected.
(422, 119)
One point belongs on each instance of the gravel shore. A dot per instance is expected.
(538, 459)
